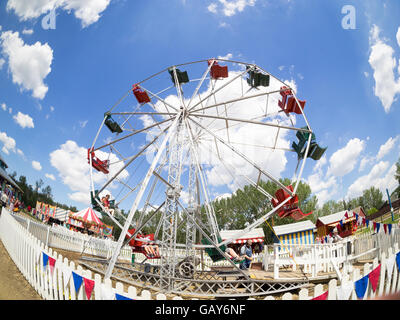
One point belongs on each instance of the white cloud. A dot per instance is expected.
(379, 177)
(2, 62)
(51, 108)
(212, 7)
(36, 165)
(398, 36)
(230, 8)
(384, 64)
(70, 161)
(88, 11)
(24, 120)
(344, 160)
(386, 147)
(28, 64)
(50, 176)
(9, 143)
(4, 106)
(226, 57)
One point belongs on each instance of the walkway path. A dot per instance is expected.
(13, 285)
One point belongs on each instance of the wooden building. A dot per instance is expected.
(344, 221)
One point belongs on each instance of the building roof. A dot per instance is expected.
(384, 209)
(256, 233)
(5, 176)
(294, 227)
(334, 218)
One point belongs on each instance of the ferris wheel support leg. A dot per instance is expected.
(137, 200)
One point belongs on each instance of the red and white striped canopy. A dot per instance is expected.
(87, 215)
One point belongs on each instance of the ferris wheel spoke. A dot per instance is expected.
(160, 99)
(134, 157)
(218, 89)
(237, 100)
(200, 84)
(132, 134)
(269, 176)
(250, 121)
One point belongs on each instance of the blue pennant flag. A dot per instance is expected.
(120, 297)
(361, 286)
(367, 222)
(398, 260)
(378, 225)
(45, 260)
(77, 281)
(390, 227)
(341, 223)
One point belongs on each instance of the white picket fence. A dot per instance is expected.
(62, 238)
(322, 258)
(57, 283)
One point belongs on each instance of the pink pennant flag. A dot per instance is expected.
(374, 277)
(52, 262)
(322, 296)
(89, 285)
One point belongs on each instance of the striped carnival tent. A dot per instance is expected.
(295, 233)
(87, 215)
(255, 235)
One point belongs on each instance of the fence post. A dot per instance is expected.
(47, 236)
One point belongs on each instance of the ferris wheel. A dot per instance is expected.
(178, 139)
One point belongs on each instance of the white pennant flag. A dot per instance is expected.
(107, 293)
(344, 292)
(390, 264)
(67, 272)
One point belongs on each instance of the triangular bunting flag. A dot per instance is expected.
(398, 260)
(346, 215)
(374, 277)
(45, 260)
(385, 227)
(390, 265)
(377, 227)
(367, 222)
(341, 224)
(361, 286)
(390, 228)
(52, 262)
(107, 293)
(77, 281)
(344, 291)
(66, 274)
(120, 297)
(89, 285)
(374, 223)
(322, 296)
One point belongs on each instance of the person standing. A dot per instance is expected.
(246, 251)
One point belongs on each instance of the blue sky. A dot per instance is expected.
(55, 84)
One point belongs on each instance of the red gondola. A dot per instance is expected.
(99, 165)
(218, 71)
(138, 246)
(141, 96)
(291, 207)
(288, 103)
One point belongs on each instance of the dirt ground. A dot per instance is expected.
(13, 285)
